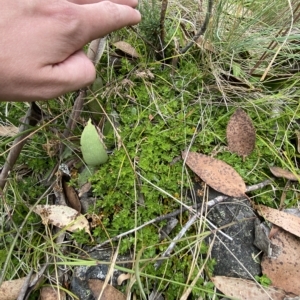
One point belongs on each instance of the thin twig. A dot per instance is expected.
(201, 30)
(94, 53)
(164, 6)
(32, 117)
(175, 213)
(194, 218)
(76, 111)
(25, 286)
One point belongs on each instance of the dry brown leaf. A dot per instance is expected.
(71, 195)
(298, 140)
(216, 173)
(284, 271)
(8, 130)
(127, 49)
(282, 219)
(205, 44)
(52, 147)
(62, 216)
(10, 290)
(240, 133)
(50, 293)
(123, 277)
(243, 289)
(109, 293)
(84, 189)
(146, 73)
(279, 172)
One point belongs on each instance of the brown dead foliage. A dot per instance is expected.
(216, 173)
(243, 289)
(109, 292)
(284, 271)
(240, 133)
(283, 173)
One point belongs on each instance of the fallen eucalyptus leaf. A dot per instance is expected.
(127, 49)
(51, 293)
(10, 290)
(109, 293)
(243, 289)
(282, 219)
(240, 133)
(279, 172)
(216, 173)
(62, 216)
(283, 271)
(92, 147)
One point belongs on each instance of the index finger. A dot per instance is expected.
(99, 19)
(132, 3)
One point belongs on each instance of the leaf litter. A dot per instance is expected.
(108, 293)
(216, 173)
(127, 49)
(283, 173)
(62, 216)
(51, 293)
(243, 289)
(10, 290)
(282, 219)
(240, 133)
(284, 271)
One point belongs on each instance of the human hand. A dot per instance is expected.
(41, 53)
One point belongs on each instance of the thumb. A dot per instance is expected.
(74, 73)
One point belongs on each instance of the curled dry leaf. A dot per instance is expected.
(240, 133)
(216, 173)
(71, 195)
(127, 49)
(298, 140)
(123, 277)
(62, 216)
(284, 271)
(243, 289)
(109, 293)
(279, 172)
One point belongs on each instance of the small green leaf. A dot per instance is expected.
(92, 148)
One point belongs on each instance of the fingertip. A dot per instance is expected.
(96, 23)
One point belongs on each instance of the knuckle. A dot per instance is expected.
(66, 14)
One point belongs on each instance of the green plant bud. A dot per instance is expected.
(92, 147)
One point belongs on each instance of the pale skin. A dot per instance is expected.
(41, 54)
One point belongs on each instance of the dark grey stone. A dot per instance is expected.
(81, 275)
(234, 258)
